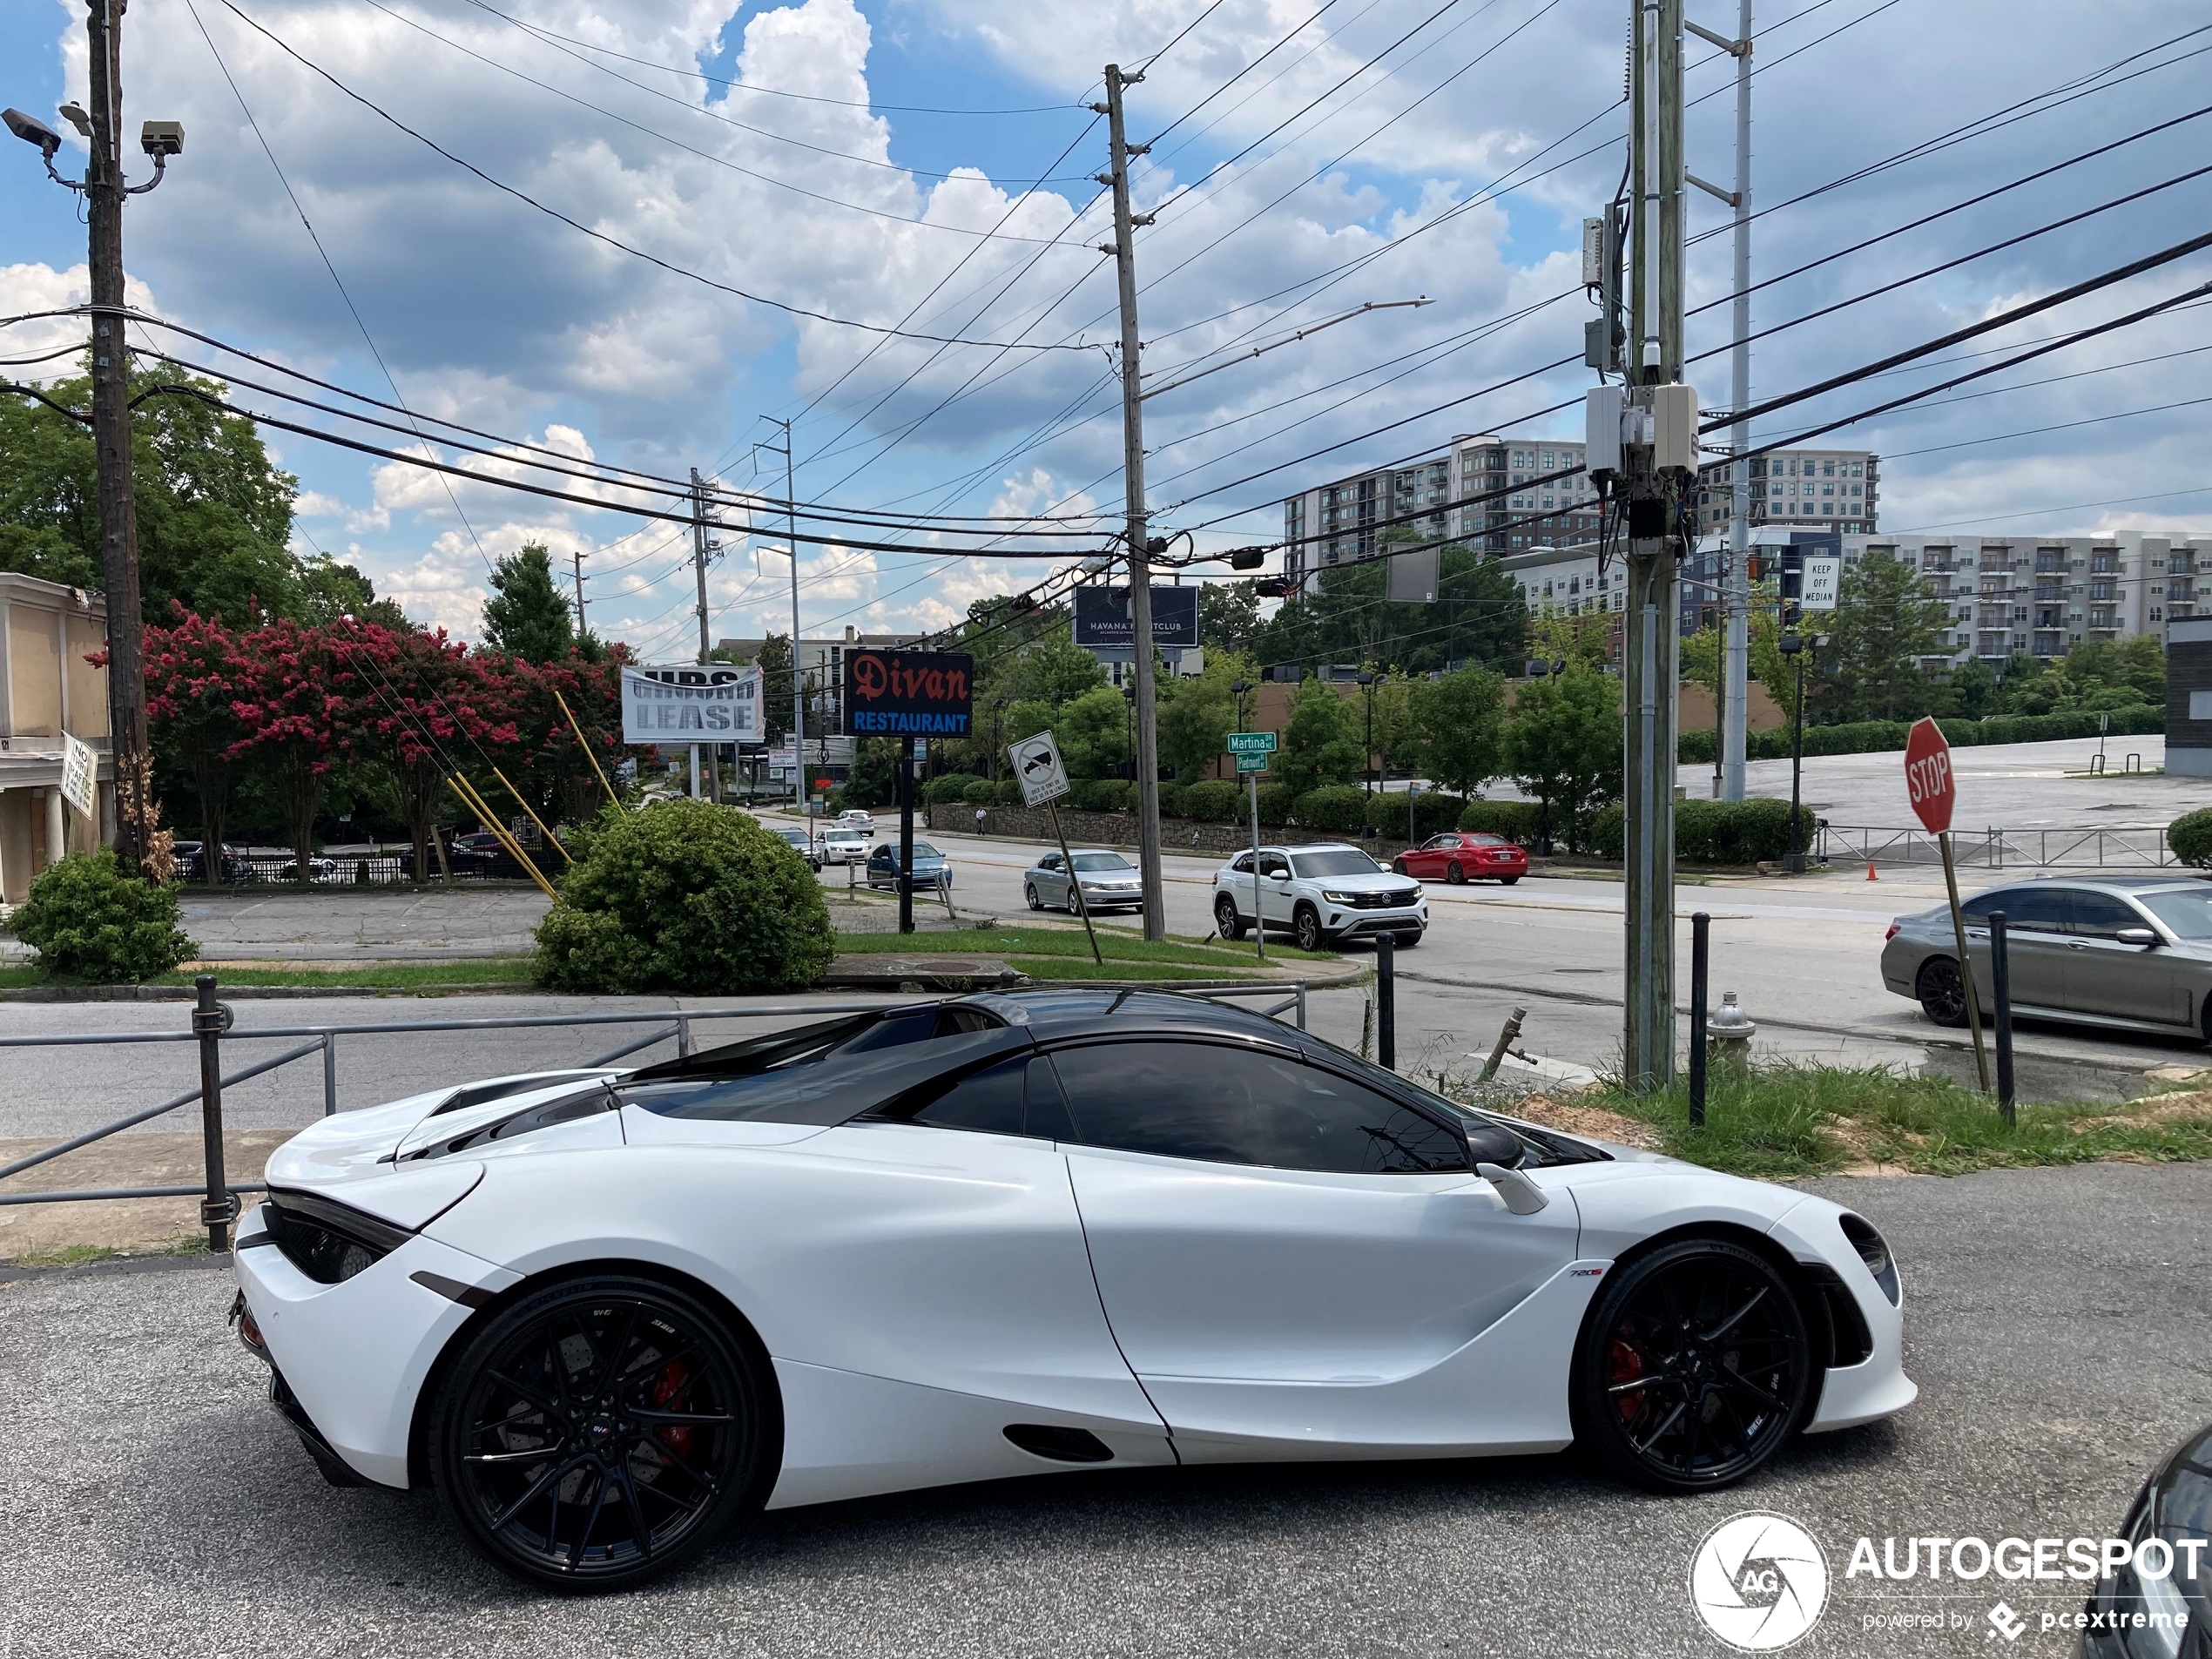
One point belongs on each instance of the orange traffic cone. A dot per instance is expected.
(1871, 876)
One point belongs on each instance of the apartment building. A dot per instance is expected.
(1827, 489)
(1433, 499)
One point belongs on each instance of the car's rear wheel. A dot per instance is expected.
(1030, 893)
(1306, 926)
(1455, 873)
(1398, 866)
(1694, 1368)
(1507, 881)
(600, 1433)
(1226, 922)
(1941, 991)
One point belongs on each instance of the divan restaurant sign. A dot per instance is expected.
(909, 693)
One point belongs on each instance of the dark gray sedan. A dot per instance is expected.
(1109, 881)
(2133, 952)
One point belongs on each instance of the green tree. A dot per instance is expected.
(774, 663)
(1461, 723)
(1972, 690)
(1563, 746)
(1199, 712)
(1322, 740)
(1885, 621)
(526, 616)
(1478, 616)
(1094, 732)
(1228, 617)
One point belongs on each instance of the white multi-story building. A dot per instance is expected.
(1833, 489)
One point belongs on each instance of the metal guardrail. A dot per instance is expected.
(2120, 847)
(353, 869)
(211, 1027)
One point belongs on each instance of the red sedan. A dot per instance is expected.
(1464, 855)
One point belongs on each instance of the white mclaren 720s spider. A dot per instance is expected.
(609, 1312)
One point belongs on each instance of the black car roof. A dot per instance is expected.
(1051, 1015)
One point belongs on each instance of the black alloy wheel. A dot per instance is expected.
(1398, 866)
(1694, 1368)
(1942, 993)
(1226, 922)
(1029, 891)
(1307, 926)
(1455, 873)
(600, 1433)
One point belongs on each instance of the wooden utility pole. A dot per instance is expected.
(702, 548)
(577, 557)
(126, 682)
(1140, 564)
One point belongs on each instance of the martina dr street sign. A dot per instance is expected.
(909, 693)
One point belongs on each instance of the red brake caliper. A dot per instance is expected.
(1627, 1366)
(672, 1381)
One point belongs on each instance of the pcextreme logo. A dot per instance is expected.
(1759, 1582)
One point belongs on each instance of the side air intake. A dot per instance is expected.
(1060, 1445)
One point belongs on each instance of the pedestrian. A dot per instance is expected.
(979, 830)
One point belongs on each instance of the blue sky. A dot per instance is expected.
(487, 312)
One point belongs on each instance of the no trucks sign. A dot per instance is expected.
(1928, 781)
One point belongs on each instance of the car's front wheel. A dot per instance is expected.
(1030, 893)
(1306, 926)
(1693, 1367)
(1942, 991)
(600, 1432)
(1226, 922)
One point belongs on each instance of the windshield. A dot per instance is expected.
(1342, 861)
(2186, 912)
(923, 850)
(1102, 861)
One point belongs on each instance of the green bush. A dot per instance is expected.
(2190, 836)
(1517, 820)
(1275, 805)
(1007, 793)
(688, 897)
(1713, 832)
(1878, 737)
(1214, 802)
(979, 791)
(89, 920)
(1171, 800)
(1434, 813)
(1334, 809)
(952, 785)
(1102, 795)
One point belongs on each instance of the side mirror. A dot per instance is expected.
(2143, 936)
(1495, 1143)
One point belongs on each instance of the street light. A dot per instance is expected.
(1367, 685)
(1237, 689)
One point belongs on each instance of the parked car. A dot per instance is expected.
(479, 841)
(1321, 894)
(192, 863)
(2159, 1605)
(1464, 855)
(932, 868)
(609, 1315)
(1109, 882)
(854, 817)
(2133, 952)
(319, 870)
(803, 843)
(843, 845)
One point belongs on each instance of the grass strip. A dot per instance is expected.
(1786, 1119)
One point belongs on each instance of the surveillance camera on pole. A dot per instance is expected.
(104, 191)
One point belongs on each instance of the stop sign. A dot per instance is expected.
(1927, 776)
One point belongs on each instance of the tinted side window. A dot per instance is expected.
(1017, 1096)
(1230, 1105)
(1274, 863)
(1242, 864)
(2099, 915)
(2038, 909)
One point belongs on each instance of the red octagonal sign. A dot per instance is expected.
(1927, 776)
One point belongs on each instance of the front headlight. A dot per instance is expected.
(1872, 1250)
(1334, 897)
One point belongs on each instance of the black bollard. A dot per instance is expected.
(2000, 989)
(1387, 1001)
(1701, 929)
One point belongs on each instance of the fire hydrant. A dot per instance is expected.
(1729, 1033)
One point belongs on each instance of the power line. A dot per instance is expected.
(616, 242)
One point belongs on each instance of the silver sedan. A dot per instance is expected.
(2133, 952)
(1109, 882)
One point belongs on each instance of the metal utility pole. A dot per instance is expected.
(1736, 646)
(126, 679)
(701, 546)
(1648, 432)
(578, 558)
(797, 684)
(1140, 591)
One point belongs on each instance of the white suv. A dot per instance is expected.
(1321, 894)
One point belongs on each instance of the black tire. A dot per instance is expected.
(1507, 881)
(1455, 873)
(1693, 1369)
(1226, 922)
(1030, 893)
(1398, 866)
(584, 1387)
(1406, 942)
(1942, 993)
(1306, 927)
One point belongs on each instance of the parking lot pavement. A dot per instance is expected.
(387, 924)
(2058, 1325)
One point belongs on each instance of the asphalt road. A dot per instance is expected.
(2058, 1322)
